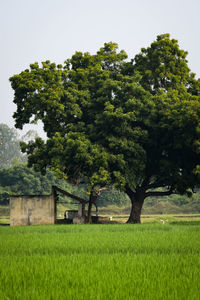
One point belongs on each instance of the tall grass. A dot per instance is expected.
(149, 261)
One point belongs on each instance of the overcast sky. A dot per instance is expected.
(37, 30)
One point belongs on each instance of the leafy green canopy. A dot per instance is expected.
(134, 124)
(21, 180)
(163, 65)
(70, 101)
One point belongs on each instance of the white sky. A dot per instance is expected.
(37, 30)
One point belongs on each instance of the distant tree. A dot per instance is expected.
(108, 121)
(9, 146)
(112, 196)
(21, 180)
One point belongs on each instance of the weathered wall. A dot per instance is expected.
(32, 210)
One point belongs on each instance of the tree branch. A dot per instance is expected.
(129, 191)
(101, 189)
(69, 195)
(159, 193)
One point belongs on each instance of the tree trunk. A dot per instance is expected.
(89, 216)
(137, 200)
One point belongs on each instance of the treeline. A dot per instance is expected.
(21, 180)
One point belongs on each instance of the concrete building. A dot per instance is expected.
(42, 209)
(37, 210)
(32, 210)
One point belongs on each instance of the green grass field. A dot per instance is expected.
(123, 261)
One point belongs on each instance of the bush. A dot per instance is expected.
(4, 198)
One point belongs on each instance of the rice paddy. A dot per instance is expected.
(117, 261)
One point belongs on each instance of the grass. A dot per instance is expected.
(4, 214)
(149, 261)
(116, 216)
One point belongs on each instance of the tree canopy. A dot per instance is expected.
(134, 124)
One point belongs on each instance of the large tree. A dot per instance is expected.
(107, 123)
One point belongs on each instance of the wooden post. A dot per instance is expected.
(89, 217)
(80, 209)
(55, 197)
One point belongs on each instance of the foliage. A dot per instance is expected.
(4, 198)
(69, 100)
(21, 180)
(113, 196)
